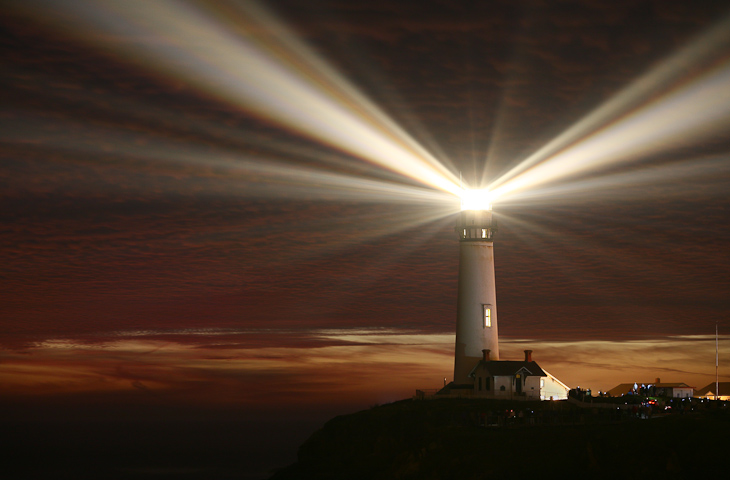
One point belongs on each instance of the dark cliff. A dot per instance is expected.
(482, 439)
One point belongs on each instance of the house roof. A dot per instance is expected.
(499, 368)
(548, 374)
(625, 388)
(724, 389)
(621, 389)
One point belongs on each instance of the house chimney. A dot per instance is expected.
(485, 354)
(528, 355)
(658, 380)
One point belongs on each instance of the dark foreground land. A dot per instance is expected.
(128, 448)
(483, 439)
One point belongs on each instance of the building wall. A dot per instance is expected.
(553, 389)
(532, 387)
(505, 387)
(682, 392)
(476, 290)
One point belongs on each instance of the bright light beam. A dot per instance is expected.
(476, 199)
(244, 173)
(613, 133)
(679, 178)
(277, 78)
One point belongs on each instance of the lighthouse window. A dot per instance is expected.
(487, 316)
(484, 233)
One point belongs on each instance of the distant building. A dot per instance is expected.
(709, 391)
(653, 389)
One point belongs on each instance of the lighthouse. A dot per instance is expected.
(476, 313)
(478, 370)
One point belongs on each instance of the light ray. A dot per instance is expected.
(245, 174)
(699, 175)
(644, 119)
(277, 78)
(480, 199)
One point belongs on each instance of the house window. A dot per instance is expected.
(487, 316)
(480, 384)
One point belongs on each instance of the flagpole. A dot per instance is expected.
(717, 358)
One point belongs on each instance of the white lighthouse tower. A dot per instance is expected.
(478, 371)
(476, 314)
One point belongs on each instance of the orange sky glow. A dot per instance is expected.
(355, 369)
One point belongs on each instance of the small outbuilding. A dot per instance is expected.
(506, 378)
(711, 391)
(653, 389)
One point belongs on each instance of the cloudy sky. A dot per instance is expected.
(213, 203)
